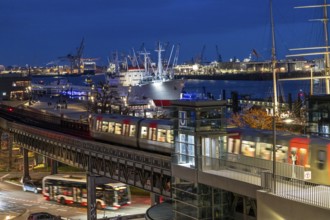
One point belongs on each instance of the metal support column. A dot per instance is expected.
(154, 199)
(54, 166)
(26, 174)
(91, 197)
(10, 152)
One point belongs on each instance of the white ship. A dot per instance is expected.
(142, 85)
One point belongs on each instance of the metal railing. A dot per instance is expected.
(298, 190)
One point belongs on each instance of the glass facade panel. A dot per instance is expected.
(186, 149)
(195, 143)
(318, 115)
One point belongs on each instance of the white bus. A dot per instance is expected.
(72, 189)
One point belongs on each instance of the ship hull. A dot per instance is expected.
(158, 91)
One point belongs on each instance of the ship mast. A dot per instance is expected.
(145, 56)
(159, 74)
(325, 47)
(326, 39)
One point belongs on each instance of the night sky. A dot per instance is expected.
(36, 32)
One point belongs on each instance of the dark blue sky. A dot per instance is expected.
(36, 32)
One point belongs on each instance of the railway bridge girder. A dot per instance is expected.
(151, 172)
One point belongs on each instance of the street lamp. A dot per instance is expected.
(311, 67)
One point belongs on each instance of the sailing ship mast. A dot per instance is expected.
(326, 42)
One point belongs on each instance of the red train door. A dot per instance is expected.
(298, 151)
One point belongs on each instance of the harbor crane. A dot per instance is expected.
(219, 58)
(200, 58)
(75, 59)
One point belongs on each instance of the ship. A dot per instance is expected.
(147, 83)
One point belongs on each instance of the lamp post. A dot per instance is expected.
(311, 67)
(275, 104)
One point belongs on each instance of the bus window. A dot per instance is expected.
(118, 128)
(161, 135)
(132, 131)
(152, 134)
(84, 193)
(144, 133)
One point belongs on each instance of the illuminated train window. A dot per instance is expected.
(248, 148)
(264, 150)
(321, 159)
(144, 133)
(118, 128)
(161, 135)
(98, 125)
(234, 145)
(152, 134)
(111, 128)
(105, 126)
(132, 131)
(126, 129)
(170, 136)
(281, 153)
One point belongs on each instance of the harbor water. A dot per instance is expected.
(217, 88)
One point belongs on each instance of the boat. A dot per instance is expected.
(142, 84)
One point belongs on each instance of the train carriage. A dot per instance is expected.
(117, 129)
(312, 153)
(156, 135)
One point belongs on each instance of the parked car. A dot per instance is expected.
(32, 186)
(43, 216)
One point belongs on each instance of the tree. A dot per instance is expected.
(105, 97)
(253, 118)
(259, 119)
